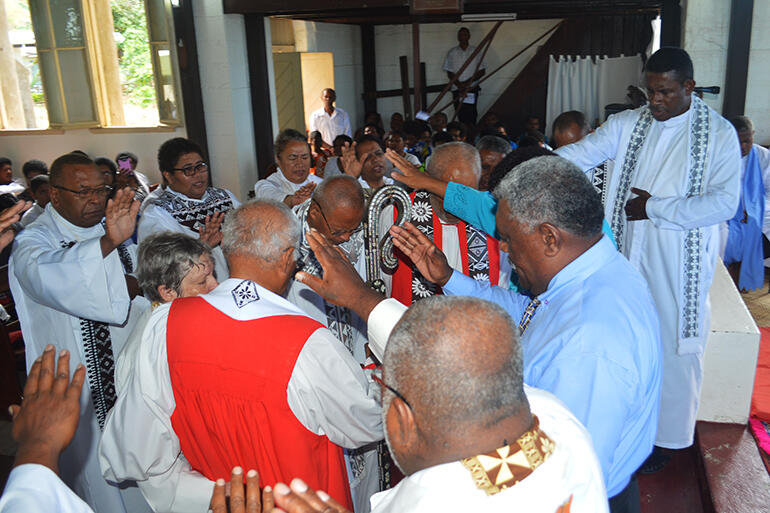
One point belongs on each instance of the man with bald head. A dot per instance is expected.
(254, 382)
(70, 274)
(468, 249)
(465, 430)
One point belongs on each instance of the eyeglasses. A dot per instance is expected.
(338, 233)
(96, 192)
(200, 167)
(377, 377)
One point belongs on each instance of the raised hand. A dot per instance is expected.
(410, 175)
(46, 421)
(425, 255)
(211, 233)
(240, 502)
(302, 195)
(300, 498)
(9, 216)
(350, 163)
(120, 219)
(341, 284)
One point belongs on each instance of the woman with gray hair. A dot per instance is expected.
(170, 265)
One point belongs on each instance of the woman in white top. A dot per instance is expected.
(292, 183)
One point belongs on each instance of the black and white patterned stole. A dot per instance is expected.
(97, 348)
(477, 247)
(600, 180)
(190, 213)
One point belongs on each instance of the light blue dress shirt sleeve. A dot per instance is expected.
(462, 285)
(480, 207)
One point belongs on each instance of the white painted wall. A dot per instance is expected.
(706, 34)
(392, 41)
(224, 69)
(344, 41)
(758, 88)
(47, 147)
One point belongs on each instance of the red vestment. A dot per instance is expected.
(229, 379)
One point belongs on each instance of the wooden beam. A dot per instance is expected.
(416, 67)
(405, 86)
(259, 82)
(423, 85)
(738, 47)
(189, 75)
(389, 93)
(368, 57)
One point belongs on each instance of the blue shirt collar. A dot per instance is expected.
(581, 268)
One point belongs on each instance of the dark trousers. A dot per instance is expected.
(628, 500)
(765, 246)
(468, 113)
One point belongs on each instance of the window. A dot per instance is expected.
(88, 63)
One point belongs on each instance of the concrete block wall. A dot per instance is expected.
(226, 93)
(758, 88)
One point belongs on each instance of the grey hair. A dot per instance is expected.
(165, 258)
(451, 380)
(552, 190)
(448, 152)
(254, 230)
(494, 144)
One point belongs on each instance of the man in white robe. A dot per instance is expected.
(676, 178)
(327, 391)
(186, 203)
(69, 276)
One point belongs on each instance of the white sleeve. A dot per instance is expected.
(448, 62)
(721, 190)
(77, 280)
(32, 487)
(154, 219)
(265, 189)
(312, 122)
(381, 322)
(598, 146)
(151, 454)
(329, 393)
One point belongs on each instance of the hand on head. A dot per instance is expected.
(410, 175)
(425, 255)
(341, 284)
(46, 421)
(302, 195)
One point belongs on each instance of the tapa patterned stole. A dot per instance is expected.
(97, 348)
(480, 253)
(192, 214)
(698, 147)
(503, 468)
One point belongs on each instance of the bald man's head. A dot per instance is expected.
(468, 374)
(456, 162)
(337, 208)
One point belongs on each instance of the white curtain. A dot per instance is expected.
(588, 84)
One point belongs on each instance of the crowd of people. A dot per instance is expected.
(539, 343)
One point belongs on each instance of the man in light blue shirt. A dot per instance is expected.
(590, 335)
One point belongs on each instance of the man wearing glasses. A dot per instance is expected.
(70, 276)
(187, 203)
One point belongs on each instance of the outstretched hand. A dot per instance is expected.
(350, 162)
(120, 219)
(46, 421)
(423, 253)
(300, 498)
(8, 217)
(341, 284)
(211, 233)
(410, 175)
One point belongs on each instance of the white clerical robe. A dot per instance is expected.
(327, 392)
(276, 187)
(763, 155)
(58, 277)
(155, 218)
(35, 488)
(656, 247)
(571, 475)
